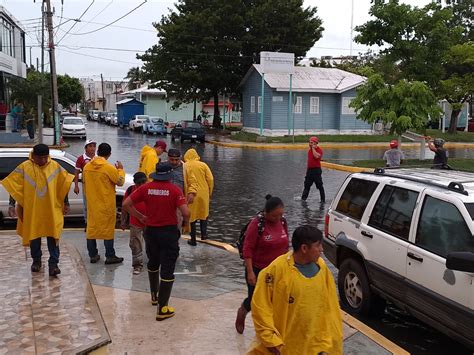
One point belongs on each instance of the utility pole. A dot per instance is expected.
(54, 79)
(103, 94)
(42, 37)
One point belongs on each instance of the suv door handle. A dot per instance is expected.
(367, 234)
(415, 257)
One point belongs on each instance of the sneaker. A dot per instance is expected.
(164, 313)
(190, 242)
(95, 259)
(113, 260)
(36, 266)
(137, 270)
(54, 271)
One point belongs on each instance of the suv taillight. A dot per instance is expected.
(326, 225)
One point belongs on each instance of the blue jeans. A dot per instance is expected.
(53, 248)
(92, 248)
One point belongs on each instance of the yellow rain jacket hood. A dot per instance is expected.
(148, 161)
(299, 315)
(39, 192)
(204, 185)
(100, 179)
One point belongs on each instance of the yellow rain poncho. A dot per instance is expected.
(101, 177)
(39, 192)
(299, 315)
(148, 161)
(204, 183)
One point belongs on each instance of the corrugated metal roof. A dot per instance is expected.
(312, 79)
(124, 101)
(145, 90)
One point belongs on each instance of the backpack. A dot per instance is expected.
(261, 227)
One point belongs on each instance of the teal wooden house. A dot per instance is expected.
(320, 97)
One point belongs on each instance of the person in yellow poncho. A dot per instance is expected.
(40, 187)
(295, 308)
(149, 157)
(101, 177)
(205, 184)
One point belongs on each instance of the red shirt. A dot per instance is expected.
(312, 161)
(265, 248)
(161, 199)
(140, 207)
(82, 161)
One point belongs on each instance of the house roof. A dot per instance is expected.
(145, 90)
(124, 101)
(310, 79)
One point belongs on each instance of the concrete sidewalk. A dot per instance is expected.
(208, 290)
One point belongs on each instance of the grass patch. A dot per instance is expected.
(457, 164)
(252, 137)
(465, 137)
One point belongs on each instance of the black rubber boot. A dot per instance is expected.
(203, 226)
(193, 234)
(154, 278)
(164, 311)
(322, 195)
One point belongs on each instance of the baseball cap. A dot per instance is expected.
(161, 144)
(89, 141)
(314, 140)
(393, 143)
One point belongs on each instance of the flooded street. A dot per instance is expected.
(242, 179)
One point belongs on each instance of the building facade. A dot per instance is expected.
(102, 95)
(12, 53)
(321, 98)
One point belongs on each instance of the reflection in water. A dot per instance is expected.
(242, 179)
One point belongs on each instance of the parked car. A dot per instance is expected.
(154, 125)
(90, 114)
(10, 158)
(136, 123)
(114, 120)
(188, 130)
(108, 117)
(406, 236)
(65, 114)
(73, 127)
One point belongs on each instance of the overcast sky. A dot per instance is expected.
(81, 54)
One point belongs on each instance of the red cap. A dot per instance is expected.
(393, 143)
(161, 144)
(314, 140)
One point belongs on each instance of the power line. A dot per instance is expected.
(116, 26)
(111, 23)
(75, 23)
(101, 11)
(97, 57)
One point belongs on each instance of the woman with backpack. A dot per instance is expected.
(266, 238)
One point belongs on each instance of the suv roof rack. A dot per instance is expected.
(455, 186)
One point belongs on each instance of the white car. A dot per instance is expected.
(136, 123)
(406, 236)
(73, 127)
(10, 158)
(114, 120)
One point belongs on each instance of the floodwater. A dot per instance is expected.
(242, 179)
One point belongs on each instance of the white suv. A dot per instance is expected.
(10, 158)
(137, 122)
(406, 236)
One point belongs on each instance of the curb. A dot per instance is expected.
(302, 146)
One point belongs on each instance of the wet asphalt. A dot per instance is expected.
(242, 179)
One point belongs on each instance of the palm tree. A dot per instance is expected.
(135, 76)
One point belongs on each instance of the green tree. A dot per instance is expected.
(70, 90)
(418, 41)
(405, 105)
(135, 78)
(206, 46)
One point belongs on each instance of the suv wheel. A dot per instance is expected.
(354, 289)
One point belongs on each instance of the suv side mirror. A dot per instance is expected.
(461, 261)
